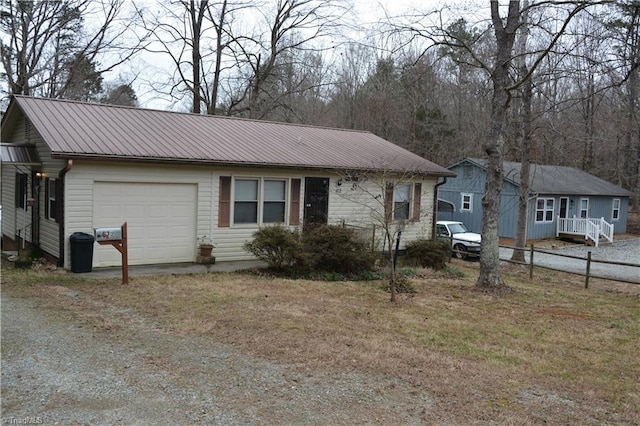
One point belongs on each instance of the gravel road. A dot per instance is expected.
(55, 370)
(626, 251)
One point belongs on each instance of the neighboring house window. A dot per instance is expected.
(467, 203)
(51, 205)
(584, 208)
(615, 212)
(21, 190)
(544, 210)
(401, 201)
(259, 201)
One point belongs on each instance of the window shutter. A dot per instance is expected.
(417, 196)
(388, 203)
(46, 198)
(224, 203)
(59, 188)
(294, 206)
(17, 190)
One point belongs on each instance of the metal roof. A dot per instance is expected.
(22, 154)
(86, 130)
(557, 180)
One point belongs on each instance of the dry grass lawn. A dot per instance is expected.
(549, 352)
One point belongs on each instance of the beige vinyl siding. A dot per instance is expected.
(361, 208)
(229, 241)
(49, 228)
(351, 207)
(82, 176)
(13, 218)
(49, 231)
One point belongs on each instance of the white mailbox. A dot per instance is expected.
(108, 234)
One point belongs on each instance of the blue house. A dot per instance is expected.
(562, 200)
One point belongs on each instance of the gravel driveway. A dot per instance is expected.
(626, 251)
(57, 371)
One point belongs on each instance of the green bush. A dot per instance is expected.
(432, 254)
(328, 249)
(333, 248)
(275, 245)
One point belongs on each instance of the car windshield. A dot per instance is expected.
(458, 228)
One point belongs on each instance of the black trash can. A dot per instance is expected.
(81, 252)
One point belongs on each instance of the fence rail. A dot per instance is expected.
(587, 272)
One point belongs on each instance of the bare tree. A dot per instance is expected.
(194, 35)
(625, 30)
(504, 83)
(293, 27)
(387, 200)
(50, 51)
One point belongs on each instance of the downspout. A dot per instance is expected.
(435, 207)
(61, 211)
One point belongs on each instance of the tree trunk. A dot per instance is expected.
(525, 156)
(490, 275)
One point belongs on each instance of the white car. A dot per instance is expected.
(464, 243)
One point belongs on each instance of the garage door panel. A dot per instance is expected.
(161, 221)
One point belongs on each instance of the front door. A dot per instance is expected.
(316, 201)
(564, 208)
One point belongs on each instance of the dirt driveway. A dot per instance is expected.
(56, 370)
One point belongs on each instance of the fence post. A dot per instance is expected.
(586, 281)
(531, 263)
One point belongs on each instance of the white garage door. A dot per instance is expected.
(161, 221)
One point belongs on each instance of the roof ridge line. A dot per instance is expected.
(226, 117)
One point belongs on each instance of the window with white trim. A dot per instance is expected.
(51, 199)
(402, 201)
(584, 208)
(615, 210)
(275, 200)
(467, 202)
(259, 201)
(544, 209)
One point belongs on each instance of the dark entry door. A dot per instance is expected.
(564, 208)
(316, 200)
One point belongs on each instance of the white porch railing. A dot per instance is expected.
(591, 229)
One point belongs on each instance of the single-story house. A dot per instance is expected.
(176, 178)
(554, 192)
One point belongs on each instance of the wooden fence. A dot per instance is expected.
(587, 274)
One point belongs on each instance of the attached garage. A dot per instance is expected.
(161, 221)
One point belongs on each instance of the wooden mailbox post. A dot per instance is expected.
(117, 238)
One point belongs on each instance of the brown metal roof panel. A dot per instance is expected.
(23, 154)
(93, 129)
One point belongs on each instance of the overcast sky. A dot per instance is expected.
(366, 13)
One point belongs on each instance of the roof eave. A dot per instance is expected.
(197, 161)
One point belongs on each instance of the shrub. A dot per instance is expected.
(432, 254)
(333, 248)
(275, 245)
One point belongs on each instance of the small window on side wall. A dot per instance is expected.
(467, 202)
(615, 211)
(51, 204)
(584, 208)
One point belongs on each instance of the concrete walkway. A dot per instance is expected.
(172, 268)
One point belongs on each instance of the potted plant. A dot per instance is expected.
(205, 246)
